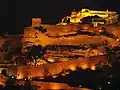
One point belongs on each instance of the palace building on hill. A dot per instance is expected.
(110, 17)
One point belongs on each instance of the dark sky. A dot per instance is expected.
(3, 13)
(51, 11)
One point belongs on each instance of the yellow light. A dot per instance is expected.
(41, 62)
(84, 66)
(100, 30)
(54, 76)
(63, 74)
(51, 60)
(20, 76)
(55, 87)
(93, 67)
(67, 72)
(94, 51)
(73, 68)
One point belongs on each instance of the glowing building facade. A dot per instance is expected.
(75, 17)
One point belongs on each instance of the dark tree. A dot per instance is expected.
(11, 81)
(86, 20)
(42, 29)
(89, 19)
(110, 55)
(27, 85)
(35, 52)
(4, 72)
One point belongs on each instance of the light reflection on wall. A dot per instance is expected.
(56, 68)
(93, 67)
(72, 67)
(55, 86)
(51, 60)
(84, 66)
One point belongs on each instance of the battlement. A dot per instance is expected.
(36, 21)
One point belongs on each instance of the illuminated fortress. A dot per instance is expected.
(64, 48)
(75, 17)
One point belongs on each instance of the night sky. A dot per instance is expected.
(51, 11)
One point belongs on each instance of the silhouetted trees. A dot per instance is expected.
(4, 72)
(89, 19)
(11, 81)
(42, 29)
(35, 52)
(110, 55)
(86, 20)
(27, 85)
